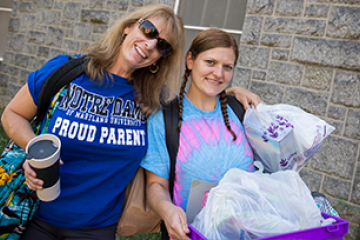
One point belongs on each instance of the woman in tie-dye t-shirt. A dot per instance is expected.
(212, 139)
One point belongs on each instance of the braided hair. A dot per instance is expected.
(206, 40)
(223, 104)
(181, 97)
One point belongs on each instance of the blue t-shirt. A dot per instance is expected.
(206, 148)
(103, 139)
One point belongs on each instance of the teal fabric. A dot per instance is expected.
(18, 203)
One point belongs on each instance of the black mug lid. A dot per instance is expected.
(41, 150)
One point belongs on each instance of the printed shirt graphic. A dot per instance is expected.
(103, 139)
(206, 149)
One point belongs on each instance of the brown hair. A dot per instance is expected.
(204, 41)
(148, 86)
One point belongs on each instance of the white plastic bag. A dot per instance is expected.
(284, 137)
(254, 205)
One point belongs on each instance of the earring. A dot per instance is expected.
(154, 68)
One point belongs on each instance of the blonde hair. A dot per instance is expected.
(148, 86)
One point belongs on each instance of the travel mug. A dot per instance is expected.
(43, 154)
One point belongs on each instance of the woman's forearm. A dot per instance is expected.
(244, 96)
(173, 216)
(159, 199)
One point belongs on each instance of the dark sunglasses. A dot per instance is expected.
(150, 31)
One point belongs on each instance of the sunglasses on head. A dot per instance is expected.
(150, 31)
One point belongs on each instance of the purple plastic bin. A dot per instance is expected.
(194, 234)
(335, 231)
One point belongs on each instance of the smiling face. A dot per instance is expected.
(211, 72)
(138, 51)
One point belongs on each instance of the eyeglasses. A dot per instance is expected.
(150, 31)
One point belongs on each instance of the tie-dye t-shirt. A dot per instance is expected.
(206, 148)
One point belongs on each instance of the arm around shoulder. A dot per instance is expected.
(244, 96)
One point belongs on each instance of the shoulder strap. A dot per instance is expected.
(62, 76)
(171, 119)
(236, 106)
(172, 135)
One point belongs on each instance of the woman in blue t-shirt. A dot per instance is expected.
(102, 131)
(101, 122)
(212, 138)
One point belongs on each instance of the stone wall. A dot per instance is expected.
(304, 53)
(307, 54)
(42, 29)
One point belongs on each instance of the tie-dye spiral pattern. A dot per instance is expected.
(206, 149)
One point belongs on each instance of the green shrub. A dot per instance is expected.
(353, 209)
(151, 236)
(3, 137)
